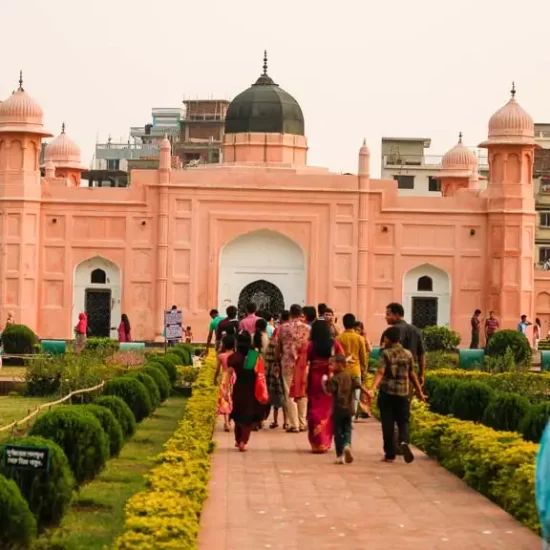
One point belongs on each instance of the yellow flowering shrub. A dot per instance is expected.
(500, 465)
(167, 515)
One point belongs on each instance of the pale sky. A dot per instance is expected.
(358, 68)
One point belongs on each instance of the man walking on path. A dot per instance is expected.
(249, 322)
(394, 377)
(409, 336)
(491, 326)
(476, 324)
(216, 319)
(292, 337)
(229, 325)
(355, 351)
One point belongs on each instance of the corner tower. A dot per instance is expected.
(264, 125)
(511, 213)
(21, 133)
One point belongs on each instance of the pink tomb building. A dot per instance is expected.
(263, 225)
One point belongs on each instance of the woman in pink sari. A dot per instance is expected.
(311, 366)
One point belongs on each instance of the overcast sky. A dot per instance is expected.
(358, 68)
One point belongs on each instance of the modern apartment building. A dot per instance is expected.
(405, 160)
(541, 187)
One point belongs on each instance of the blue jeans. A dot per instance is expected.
(342, 433)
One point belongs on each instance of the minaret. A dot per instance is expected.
(21, 133)
(458, 169)
(164, 173)
(363, 243)
(511, 213)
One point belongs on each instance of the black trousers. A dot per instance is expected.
(394, 409)
(475, 340)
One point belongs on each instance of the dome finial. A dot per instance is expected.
(63, 128)
(513, 90)
(21, 80)
(459, 137)
(265, 63)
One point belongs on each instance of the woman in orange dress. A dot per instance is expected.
(225, 403)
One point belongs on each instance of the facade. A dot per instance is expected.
(264, 226)
(404, 160)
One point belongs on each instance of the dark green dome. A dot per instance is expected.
(264, 107)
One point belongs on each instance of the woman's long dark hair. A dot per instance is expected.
(243, 342)
(322, 339)
(126, 321)
(261, 327)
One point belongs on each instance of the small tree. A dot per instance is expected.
(440, 338)
(514, 340)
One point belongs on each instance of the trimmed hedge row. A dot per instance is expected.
(500, 465)
(533, 385)
(167, 515)
(80, 439)
(467, 398)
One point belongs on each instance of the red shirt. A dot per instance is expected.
(491, 326)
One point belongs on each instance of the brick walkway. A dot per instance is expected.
(280, 496)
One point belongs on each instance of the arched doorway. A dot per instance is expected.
(262, 257)
(427, 296)
(264, 294)
(97, 292)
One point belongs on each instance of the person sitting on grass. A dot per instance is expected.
(394, 375)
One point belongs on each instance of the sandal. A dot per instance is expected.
(226, 428)
(273, 425)
(285, 426)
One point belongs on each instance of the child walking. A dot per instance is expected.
(342, 386)
(225, 404)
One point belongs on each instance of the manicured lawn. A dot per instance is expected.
(13, 372)
(16, 408)
(96, 517)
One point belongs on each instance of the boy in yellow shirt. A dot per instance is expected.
(355, 350)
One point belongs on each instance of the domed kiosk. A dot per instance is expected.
(62, 155)
(265, 125)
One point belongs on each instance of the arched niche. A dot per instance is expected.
(427, 296)
(97, 291)
(262, 255)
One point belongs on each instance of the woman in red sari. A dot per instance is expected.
(312, 365)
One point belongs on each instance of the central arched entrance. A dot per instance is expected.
(265, 263)
(264, 294)
(97, 292)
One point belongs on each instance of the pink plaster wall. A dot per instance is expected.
(165, 234)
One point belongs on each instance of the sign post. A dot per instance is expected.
(173, 326)
(26, 458)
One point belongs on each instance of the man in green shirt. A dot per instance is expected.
(216, 319)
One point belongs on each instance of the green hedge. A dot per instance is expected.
(170, 362)
(49, 493)
(506, 411)
(133, 393)
(500, 465)
(110, 425)
(81, 437)
(161, 379)
(167, 515)
(19, 340)
(121, 411)
(150, 385)
(533, 385)
(513, 339)
(470, 400)
(17, 524)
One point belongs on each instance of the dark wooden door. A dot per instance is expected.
(98, 310)
(266, 296)
(424, 312)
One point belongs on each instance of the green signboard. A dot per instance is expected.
(26, 458)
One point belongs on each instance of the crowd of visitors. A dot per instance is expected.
(303, 366)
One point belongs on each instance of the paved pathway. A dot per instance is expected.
(280, 496)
